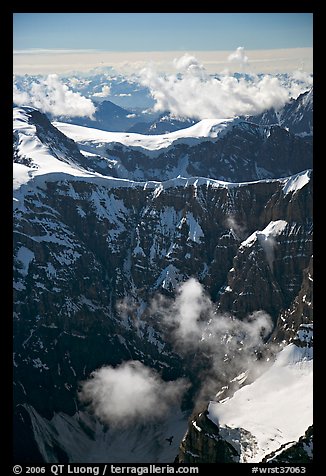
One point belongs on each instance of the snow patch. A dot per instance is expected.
(206, 129)
(296, 182)
(277, 408)
(195, 231)
(169, 278)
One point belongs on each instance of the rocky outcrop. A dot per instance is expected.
(300, 313)
(210, 440)
(204, 444)
(299, 452)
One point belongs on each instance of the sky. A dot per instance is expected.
(62, 42)
(162, 31)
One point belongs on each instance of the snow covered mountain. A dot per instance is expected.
(164, 124)
(231, 150)
(296, 116)
(264, 418)
(91, 233)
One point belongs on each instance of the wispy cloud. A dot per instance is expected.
(215, 347)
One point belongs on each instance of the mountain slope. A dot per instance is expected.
(91, 251)
(272, 412)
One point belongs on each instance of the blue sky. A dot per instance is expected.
(162, 31)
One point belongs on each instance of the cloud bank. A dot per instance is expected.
(192, 92)
(49, 95)
(130, 394)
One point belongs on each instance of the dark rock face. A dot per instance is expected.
(203, 444)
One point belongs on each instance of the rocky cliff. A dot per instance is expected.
(91, 251)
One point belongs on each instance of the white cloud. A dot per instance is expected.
(130, 393)
(49, 95)
(238, 56)
(299, 80)
(191, 92)
(106, 91)
(186, 311)
(189, 65)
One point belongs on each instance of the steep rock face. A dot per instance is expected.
(300, 313)
(204, 444)
(163, 124)
(267, 268)
(80, 248)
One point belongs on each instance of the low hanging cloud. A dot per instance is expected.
(192, 320)
(49, 95)
(192, 92)
(217, 346)
(130, 394)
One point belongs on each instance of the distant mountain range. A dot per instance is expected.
(296, 116)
